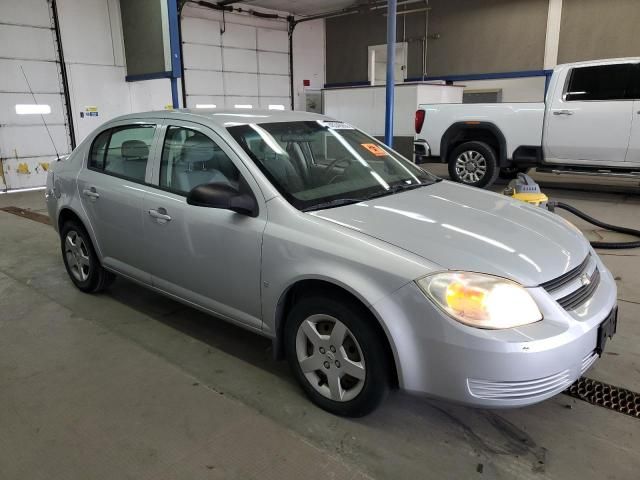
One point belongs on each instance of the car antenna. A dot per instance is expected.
(41, 115)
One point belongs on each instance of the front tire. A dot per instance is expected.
(337, 355)
(81, 261)
(473, 163)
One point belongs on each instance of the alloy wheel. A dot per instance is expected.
(77, 256)
(330, 357)
(471, 166)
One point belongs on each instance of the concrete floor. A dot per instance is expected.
(128, 384)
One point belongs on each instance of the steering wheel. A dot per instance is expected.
(333, 165)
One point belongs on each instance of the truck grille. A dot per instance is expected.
(575, 287)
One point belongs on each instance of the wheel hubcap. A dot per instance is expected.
(77, 256)
(471, 166)
(330, 357)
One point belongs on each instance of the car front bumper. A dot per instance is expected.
(437, 356)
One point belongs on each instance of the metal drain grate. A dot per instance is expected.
(605, 395)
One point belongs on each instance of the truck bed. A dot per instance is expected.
(520, 123)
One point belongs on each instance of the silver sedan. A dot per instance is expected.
(366, 271)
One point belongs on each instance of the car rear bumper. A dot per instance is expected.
(442, 358)
(421, 151)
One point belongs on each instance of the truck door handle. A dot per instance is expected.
(160, 215)
(91, 193)
(562, 112)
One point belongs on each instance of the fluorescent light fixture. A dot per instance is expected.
(205, 105)
(242, 106)
(32, 109)
(18, 190)
(276, 107)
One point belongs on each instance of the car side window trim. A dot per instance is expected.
(121, 126)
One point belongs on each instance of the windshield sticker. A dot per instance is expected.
(373, 148)
(335, 125)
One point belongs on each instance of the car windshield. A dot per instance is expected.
(324, 164)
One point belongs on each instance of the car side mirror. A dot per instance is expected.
(223, 196)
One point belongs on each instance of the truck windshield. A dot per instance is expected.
(323, 164)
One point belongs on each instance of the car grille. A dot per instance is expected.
(568, 277)
(575, 287)
(588, 361)
(491, 390)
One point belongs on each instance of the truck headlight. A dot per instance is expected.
(481, 301)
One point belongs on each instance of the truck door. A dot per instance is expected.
(590, 116)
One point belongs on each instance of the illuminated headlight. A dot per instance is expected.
(481, 301)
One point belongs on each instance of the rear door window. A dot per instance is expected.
(123, 151)
(601, 82)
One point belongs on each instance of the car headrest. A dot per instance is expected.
(197, 149)
(134, 149)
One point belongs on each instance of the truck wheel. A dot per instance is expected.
(509, 173)
(473, 163)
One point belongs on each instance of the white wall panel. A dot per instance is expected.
(42, 76)
(193, 100)
(26, 172)
(200, 30)
(150, 94)
(240, 60)
(32, 141)
(230, 101)
(204, 57)
(202, 82)
(274, 85)
(273, 40)
(86, 31)
(266, 101)
(8, 115)
(270, 62)
(240, 36)
(27, 42)
(25, 12)
(308, 59)
(255, 62)
(242, 84)
(110, 94)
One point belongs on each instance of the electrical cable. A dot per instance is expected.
(552, 205)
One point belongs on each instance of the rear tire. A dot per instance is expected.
(337, 355)
(473, 163)
(81, 261)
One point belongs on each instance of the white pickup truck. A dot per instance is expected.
(588, 124)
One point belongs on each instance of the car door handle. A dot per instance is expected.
(91, 193)
(562, 112)
(160, 215)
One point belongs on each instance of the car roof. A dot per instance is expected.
(224, 118)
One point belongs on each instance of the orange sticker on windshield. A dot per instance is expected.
(373, 148)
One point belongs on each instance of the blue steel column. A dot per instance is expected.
(174, 40)
(392, 6)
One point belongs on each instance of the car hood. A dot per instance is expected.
(463, 228)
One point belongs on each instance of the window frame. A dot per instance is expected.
(634, 92)
(122, 126)
(163, 139)
(216, 138)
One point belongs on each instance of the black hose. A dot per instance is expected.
(610, 245)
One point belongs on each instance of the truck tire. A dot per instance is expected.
(473, 163)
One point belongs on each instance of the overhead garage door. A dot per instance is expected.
(245, 65)
(28, 44)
